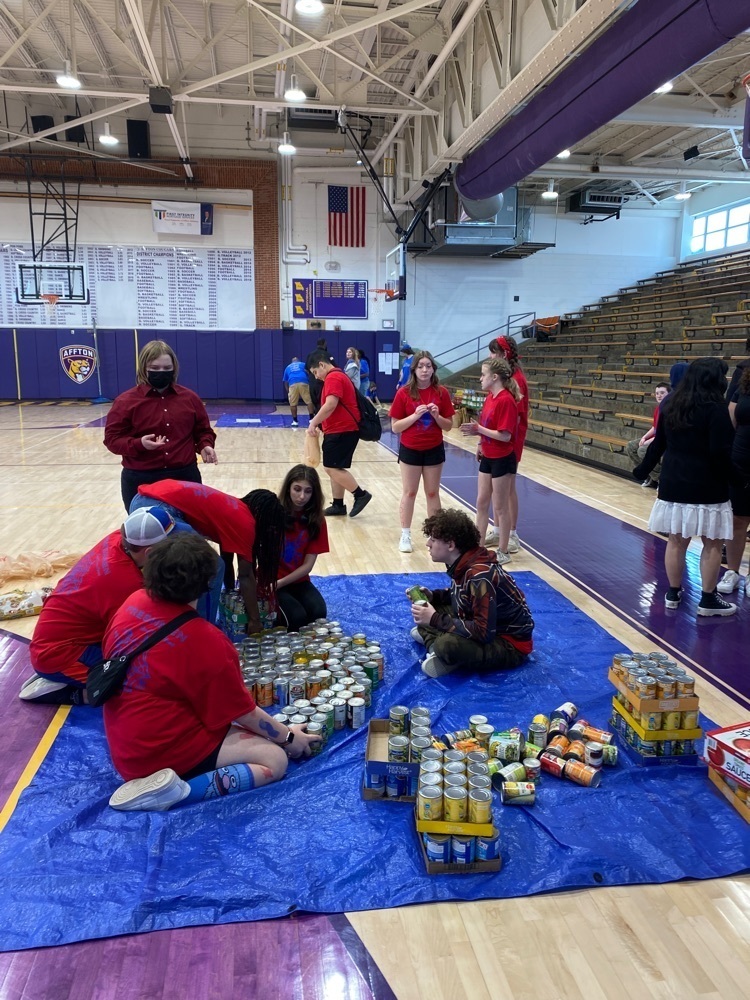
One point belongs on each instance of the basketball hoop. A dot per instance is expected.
(378, 298)
(50, 301)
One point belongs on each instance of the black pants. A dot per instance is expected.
(316, 388)
(458, 651)
(230, 575)
(131, 479)
(299, 604)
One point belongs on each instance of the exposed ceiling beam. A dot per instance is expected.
(683, 112)
(612, 173)
(94, 116)
(22, 38)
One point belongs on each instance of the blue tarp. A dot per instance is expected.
(73, 869)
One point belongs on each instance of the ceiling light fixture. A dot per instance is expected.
(294, 92)
(309, 7)
(683, 194)
(285, 146)
(67, 80)
(550, 194)
(665, 88)
(563, 154)
(106, 138)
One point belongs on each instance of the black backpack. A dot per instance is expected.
(369, 418)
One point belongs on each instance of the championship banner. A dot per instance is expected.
(183, 217)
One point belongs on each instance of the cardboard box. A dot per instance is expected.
(654, 704)
(742, 807)
(376, 762)
(440, 826)
(728, 752)
(641, 760)
(436, 868)
(655, 735)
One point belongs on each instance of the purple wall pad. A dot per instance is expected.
(73, 869)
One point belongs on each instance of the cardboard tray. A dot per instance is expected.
(715, 778)
(440, 826)
(726, 756)
(654, 704)
(686, 760)
(655, 735)
(376, 762)
(476, 867)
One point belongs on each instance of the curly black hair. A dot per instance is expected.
(180, 568)
(452, 526)
(268, 513)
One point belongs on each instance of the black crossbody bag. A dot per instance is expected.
(106, 678)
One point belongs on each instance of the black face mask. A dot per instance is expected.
(160, 380)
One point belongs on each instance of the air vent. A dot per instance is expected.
(317, 119)
(595, 201)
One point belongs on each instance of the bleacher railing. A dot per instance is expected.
(475, 349)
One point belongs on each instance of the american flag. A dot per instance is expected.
(346, 216)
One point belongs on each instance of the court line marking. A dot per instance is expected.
(36, 760)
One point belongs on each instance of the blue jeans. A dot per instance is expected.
(208, 603)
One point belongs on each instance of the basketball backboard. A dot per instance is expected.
(37, 281)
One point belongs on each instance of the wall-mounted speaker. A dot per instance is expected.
(287, 324)
(75, 134)
(160, 100)
(41, 123)
(139, 139)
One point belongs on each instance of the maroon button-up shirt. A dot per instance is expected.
(177, 413)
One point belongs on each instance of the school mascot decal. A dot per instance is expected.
(78, 362)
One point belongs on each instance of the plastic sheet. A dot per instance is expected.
(31, 564)
(73, 869)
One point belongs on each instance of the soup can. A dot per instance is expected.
(421, 731)
(426, 766)
(514, 771)
(558, 727)
(264, 691)
(398, 749)
(651, 720)
(583, 774)
(418, 745)
(480, 805)
(454, 756)
(462, 849)
(307, 712)
(599, 735)
(666, 687)
(375, 782)
(594, 755)
(327, 711)
(455, 780)
(685, 686)
(537, 734)
(437, 847)
(454, 767)
(552, 764)
(484, 734)
(339, 712)
(671, 720)
(518, 793)
(430, 802)
(296, 688)
(609, 754)
(476, 720)
(558, 746)
(476, 768)
(567, 710)
(576, 751)
(455, 802)
(479, 781)
(297, 720)
(689, 720)
(423, 712)
(316, 729)
(398, 720)
(488, 848)
(477, 757)
(533, 769)
(313, 686)
(531, 750)
(432, 754)
(431, 780)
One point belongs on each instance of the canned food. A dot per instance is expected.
(594, 756)
(646, 686)
(651, 720)
(454, 767)
(462, 849)
(552, 764)
(582, 774)
(296, 688)
(375, 782)
(506, 746)
(537, 734)
(567, 711)
(477, 757)
(518, 793)
(264, 691)
(558, 727)
(575, 751)
(476, 720)
(418, 745)
(685, 686)
(301, 703)
(359, 639)
(479, 781)
(454, 756)
(327, 711)
(307, 712)
(313, 686)
(297, 720)
(666, 687)
(488, 848)
(558, 746)
(398, 749)
(316, 729)
(396, 786)
(423, 711)
(531, 750)
(685, 747)
(484, 734)
(430, 802)
(432, 780)
(424, 731)
(689, 720)
(533, 769)
(432, 754)
(665, 748)
(437, 847)
(417, 593)
(599, 735)
(474, 769)
(457, 737)
(455, 803)
(671, 720)
(339, 712)
(512, 772)
(398, 720)
(609, 754)
(455, 780)
(281, 690)
(426, 766)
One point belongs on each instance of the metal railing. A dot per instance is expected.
(449, 362)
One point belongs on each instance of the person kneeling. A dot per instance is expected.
(482, 622)
(184, 728)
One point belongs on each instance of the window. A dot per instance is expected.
(717, 230)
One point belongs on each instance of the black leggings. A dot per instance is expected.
(131, 479)
(299, 604)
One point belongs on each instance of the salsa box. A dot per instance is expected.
(742, 808)
(728, 752)
(377, 763)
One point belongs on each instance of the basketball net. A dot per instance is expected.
(50, 301)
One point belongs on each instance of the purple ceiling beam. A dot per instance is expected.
(653, 42)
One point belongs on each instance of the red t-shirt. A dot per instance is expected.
(499, 413)
(297, 545)
(179, 697)
(656, 416)
(214, 514)
(523, 413)
(346, 415)
(80, 608)
(425, 433)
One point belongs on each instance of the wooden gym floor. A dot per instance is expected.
(59, 489)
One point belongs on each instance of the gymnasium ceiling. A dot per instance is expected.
(427, 73)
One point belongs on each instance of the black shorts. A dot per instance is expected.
(739, 496)
(410, 456)
(497, 467)
(338, 449)
(208, 763)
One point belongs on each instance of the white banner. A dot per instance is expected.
(182, 217)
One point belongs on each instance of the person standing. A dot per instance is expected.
(364, 373)
(505, 347)
(305, 538)
(406, 366)
(158, 426)
(351, 368)
(338, 417)
(694, 435)
(497, 427)
(420, 412)
(739, 486)
(297, 386)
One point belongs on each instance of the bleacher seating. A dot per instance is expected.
(591, 385)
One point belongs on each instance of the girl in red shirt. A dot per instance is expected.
(420, 412)
(502, 347)
(497, 426)
(305, 538)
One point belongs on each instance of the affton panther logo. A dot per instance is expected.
(78, 362)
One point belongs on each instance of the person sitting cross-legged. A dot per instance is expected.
(185, 728)
(482, 622)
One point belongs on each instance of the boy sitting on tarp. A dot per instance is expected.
(482, 622)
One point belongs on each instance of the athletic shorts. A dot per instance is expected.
(497, 467)
(338, 449)
(209, 762)
(410, 456)
(297, 391)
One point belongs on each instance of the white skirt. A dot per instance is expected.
(710, 520)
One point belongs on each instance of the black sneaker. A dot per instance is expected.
(713, 604)
(673, 597)
(335, 510)
(360, 503)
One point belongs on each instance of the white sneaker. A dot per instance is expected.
(295, 423)
(729, 582)
(156, 793)
(433, 666)
(502, 558)
(491, 539)
(514, 543)
(37, 686)
(405, 544)
(416, 636)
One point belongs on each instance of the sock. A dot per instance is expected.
(338, 503)
(406, 532)
(359, 492)
(222, 781)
